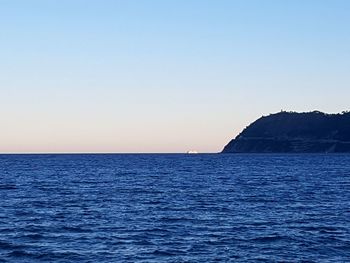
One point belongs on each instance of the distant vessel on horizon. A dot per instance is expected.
(192, 152)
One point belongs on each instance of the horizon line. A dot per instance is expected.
(62, 153)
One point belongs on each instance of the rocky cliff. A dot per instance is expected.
(291, 132)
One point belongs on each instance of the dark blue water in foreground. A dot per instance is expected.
(175, 208)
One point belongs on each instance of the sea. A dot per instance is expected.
(175, 208)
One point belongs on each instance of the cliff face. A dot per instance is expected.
(290, 132)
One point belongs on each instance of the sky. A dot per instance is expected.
(163, 76)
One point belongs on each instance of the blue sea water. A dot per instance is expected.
(175, 208)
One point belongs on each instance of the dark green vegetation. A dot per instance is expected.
(291, 132)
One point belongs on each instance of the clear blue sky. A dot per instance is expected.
(164, 76)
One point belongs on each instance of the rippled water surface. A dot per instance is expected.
(175, 208)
